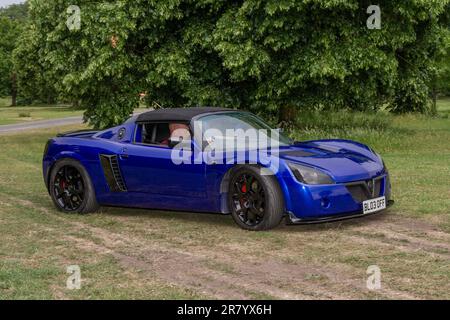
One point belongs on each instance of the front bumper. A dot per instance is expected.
(293, 220)
(333, 202)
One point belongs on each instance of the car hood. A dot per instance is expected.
(343, 160)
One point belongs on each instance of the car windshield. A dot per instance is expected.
(239, 126)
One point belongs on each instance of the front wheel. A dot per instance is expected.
(255, 200)
(71, 188)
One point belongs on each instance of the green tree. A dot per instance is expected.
(419, 62)
(442, 81)
(254, 54)
(35, 81)
(9, 31)
(18, 12)
(443, 78)
(12, 19)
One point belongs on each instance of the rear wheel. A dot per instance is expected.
(255, 200)
(71, 188)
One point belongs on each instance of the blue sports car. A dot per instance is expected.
(215, 160)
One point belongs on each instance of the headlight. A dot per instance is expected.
(309, 175)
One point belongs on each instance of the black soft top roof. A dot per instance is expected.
(177, 114)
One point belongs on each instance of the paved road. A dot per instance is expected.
(11, 128)
(40, 124)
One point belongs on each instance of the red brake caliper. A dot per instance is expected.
(243, 199)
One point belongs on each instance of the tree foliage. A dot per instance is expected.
(9, 32)
(12, 19)
(254, 54)
(36, 81)
(442, 81)
(443, 77)
(18, 12)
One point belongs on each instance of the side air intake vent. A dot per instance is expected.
(112, 173)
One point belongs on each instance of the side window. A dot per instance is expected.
(148, 133)
(153, 133)
(162, 133)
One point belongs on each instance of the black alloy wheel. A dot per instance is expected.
(69, 188)
(255, 199)
(249, 199)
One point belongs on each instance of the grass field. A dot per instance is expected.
(133, 254)
(443, 106)
(12, 115)
(23, 114)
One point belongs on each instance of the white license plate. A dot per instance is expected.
(374, 205)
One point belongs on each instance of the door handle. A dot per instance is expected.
(123, 154)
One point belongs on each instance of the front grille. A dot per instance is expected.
(377, 188)
(112, 172)
(358, 193)
(365, 190)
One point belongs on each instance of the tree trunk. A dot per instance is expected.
(13, 89)
(286, 114)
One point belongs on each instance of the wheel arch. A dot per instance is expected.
(65, 155)
(88, 202)
(225, 183)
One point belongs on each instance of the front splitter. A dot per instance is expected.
(293, 220)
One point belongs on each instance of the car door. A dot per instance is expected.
(147, 167)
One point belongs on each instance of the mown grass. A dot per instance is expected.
(443, 106)
(19, 114)
(5, 102)
(35, 254)
(35, 245)
(35, 112)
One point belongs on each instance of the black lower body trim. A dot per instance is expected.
(293, 220)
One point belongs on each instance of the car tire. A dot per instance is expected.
(273, 209)
(87, 202)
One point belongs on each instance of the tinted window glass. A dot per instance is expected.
(153, 133)
(228, 126)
